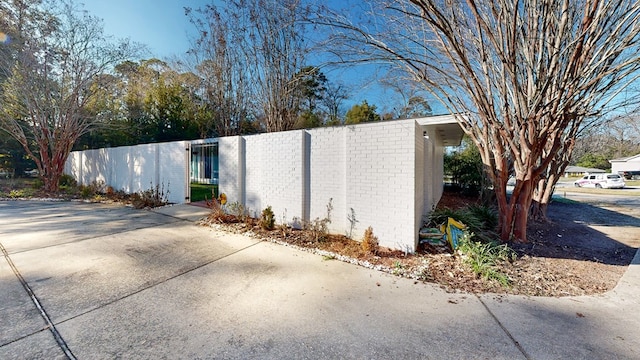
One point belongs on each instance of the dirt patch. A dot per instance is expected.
(584, 250)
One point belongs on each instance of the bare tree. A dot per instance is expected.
(334, 97)
(51, 77)
(521, 76)
(219, 62)
(276, 53)
(412, 102)
(249, 53)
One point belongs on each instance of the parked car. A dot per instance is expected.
(601, 181)
(630, 174)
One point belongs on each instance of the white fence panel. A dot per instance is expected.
(135, 168)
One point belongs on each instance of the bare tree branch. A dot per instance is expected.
(524, 74)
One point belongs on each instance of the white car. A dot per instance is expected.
(601, 181)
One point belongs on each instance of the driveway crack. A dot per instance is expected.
(52, 328)
(515, 342)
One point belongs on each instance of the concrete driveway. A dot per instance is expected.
(92, 281)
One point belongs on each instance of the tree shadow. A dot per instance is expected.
(579, 231)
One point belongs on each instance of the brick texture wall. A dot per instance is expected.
(381, 181)
(135, 168)
(274, 173)
(388, 174)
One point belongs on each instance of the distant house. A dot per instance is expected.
(579, 171)
(629, 165)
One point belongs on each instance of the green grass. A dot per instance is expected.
(200, 192)
(16, 185)
(563, 200)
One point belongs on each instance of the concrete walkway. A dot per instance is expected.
(92, 281)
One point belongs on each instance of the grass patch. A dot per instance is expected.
(201, 192)
(19, 187)
(563, 200)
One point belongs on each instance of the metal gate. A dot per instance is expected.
(204, 169)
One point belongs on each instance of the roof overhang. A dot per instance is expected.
(446, 127)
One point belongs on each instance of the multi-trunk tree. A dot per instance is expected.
(51, 72)
(522, 77)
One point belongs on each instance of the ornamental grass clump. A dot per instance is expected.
(484, 258)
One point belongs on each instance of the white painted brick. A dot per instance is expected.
(135, 168)
(387, 172)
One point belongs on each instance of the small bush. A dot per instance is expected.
(369, 243)
(319, 228)
(92, 190)
(37, 184)
(151, 198)
(267, 220)
(67, 181)
(238, 211)
(487, 216)
(86, 192)
(21, 193)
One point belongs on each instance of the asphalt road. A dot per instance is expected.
(626, 204)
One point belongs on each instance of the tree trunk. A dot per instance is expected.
(514, 213)
(541, 198)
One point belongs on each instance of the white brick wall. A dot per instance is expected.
(327, 174)
(376, 169)
(275, 174)
(231, 167)
(135, 168)
(381, 180)
(420, 183)
(387, 172)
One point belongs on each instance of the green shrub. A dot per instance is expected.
(37, 184)
(67, 181)
(483, 258)
(486, 216)
(480, 220)
(267, 220)
(86, 192)
(21, 193)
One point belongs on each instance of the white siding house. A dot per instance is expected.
(631, 163)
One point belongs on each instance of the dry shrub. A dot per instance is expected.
(218, 215)
(369, 243)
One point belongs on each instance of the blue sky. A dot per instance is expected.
(160, 24)
(164, 28)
